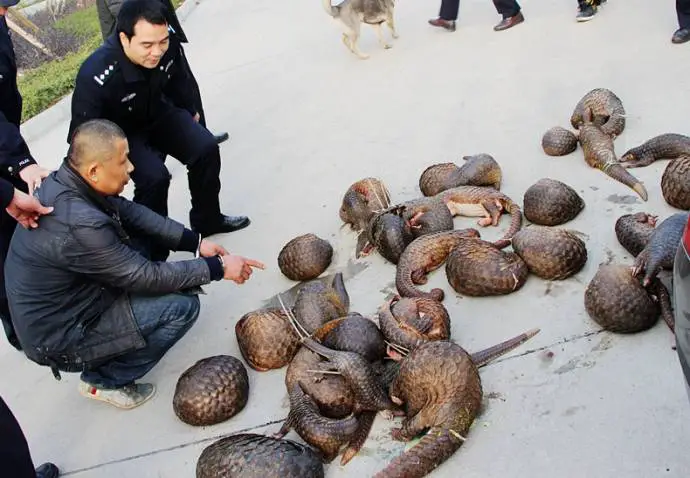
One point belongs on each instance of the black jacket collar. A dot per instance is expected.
(131, 72)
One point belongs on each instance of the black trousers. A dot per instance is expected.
(14, 450)
(196, 93)
(507, 8)
(683, 12)
(176, 134)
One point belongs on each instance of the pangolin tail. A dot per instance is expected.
(434, 448)
(515, 225)
(366, 420)
(661, 292)
(620, 174)
(485, 356)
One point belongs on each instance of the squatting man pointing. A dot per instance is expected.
(82, 297)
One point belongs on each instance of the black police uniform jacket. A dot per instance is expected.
(110, 86)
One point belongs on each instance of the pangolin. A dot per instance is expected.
(251, 455)
(317, 303)
(607, 112)
(211, 391)
(549, 202)
(616, 300)
(423, 255)
(599, 153)
(389, 235)
(478, 268)
(266, 339)
(663, 146)
(661, 249)
(361, 200)
(550, 253)
(634, 230)
(477, 170)
(558, 141)
(305, 257)
(411, 321)
(484, 202)
(675, 183)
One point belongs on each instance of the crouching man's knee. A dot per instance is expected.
(182, 314)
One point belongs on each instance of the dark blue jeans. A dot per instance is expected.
(163, 320)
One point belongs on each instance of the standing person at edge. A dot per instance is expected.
(125, 81)
(16, 162)
(683, 12)
(587, 9)
(107, 17)
(15, 457)
(509, 9)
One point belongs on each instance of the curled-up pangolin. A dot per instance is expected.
(305, 257)
(266, 339)
(360, 202)
(487, 203)
(558, 141)
(439, 386)
(389, 235)
(549, 202)
(330, 392)
(326, 434)
(423, 255)
(616, 300)
(355, 333)
(411, 321)
(661, 249)
(634, 230)
(317, 303)
(426, 216)
(607, 112)
(478, 268)
(478, 170)
(663, 146)
(249, 455)
(600, 154)
(552, 254)
(675, 183)
(211, 391)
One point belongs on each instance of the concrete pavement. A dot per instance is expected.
(307, 119)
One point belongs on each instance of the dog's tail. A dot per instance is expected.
(330, 9)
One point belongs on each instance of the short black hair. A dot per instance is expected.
(95, 136)
(152, 11)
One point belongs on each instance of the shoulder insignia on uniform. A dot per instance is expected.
(128, 97)
(103, 77)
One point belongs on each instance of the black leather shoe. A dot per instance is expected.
(47, 470)
(227, 224)
(681, 35)
(221, 137)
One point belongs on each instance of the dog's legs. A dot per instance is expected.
(352, 35)
(379, 34)
(391, 24)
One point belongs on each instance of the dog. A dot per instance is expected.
(350, 14)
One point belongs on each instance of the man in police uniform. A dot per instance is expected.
(134, 80)
(107, 17)
(17, 165)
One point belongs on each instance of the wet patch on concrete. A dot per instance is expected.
(622, 199)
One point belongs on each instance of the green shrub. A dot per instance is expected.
(82, 23)
(44, 86)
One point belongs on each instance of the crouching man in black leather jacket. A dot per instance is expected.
(84, 300)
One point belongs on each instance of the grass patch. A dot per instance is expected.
(45, 85)
(82, 23)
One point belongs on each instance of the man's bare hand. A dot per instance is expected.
(197, 117)
(210, 249)
(26, 209)
(238, 268)
(33, 176)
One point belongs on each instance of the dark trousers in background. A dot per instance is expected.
(178, 135)
(163, 320)
(683, 12)
(507, 8)
(15, 458)
(196, 92)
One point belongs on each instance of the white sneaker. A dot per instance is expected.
(127, 397)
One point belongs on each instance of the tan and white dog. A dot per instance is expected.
(350, 14)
